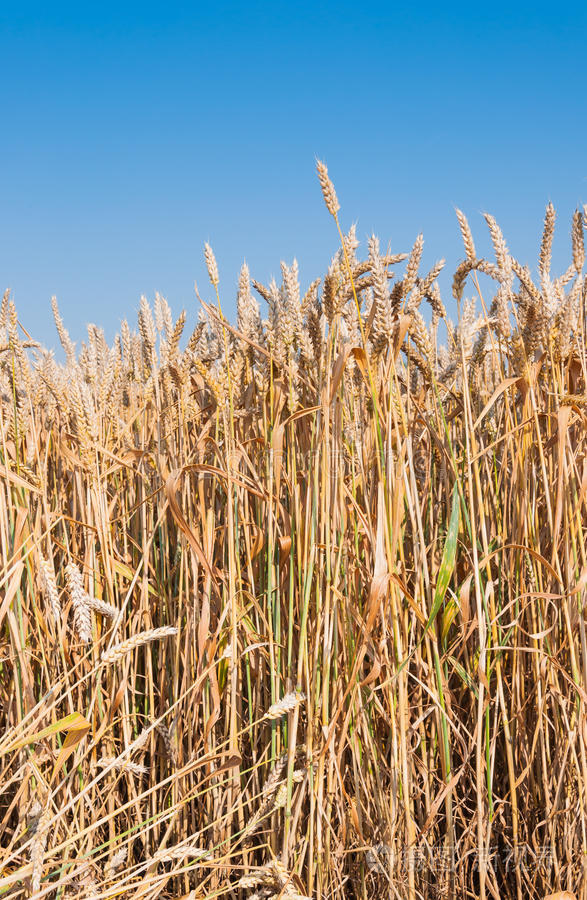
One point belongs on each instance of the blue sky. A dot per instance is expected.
(131, 136)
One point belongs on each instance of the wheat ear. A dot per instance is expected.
(121, 765)
(38, 849)
(328, 192)
(82, 618)
(49, 587)
(285, 705)
(211, 265)
(100, 606)
(119, 651)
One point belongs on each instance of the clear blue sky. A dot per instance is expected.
(131, 136)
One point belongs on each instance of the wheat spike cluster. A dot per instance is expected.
(294, 606)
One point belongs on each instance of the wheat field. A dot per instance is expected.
(294, 607)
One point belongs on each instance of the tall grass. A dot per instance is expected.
(296, 608)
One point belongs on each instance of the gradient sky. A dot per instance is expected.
(131, 137)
